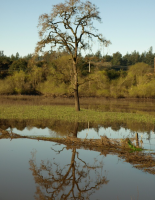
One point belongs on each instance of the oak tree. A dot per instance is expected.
(66, 27)
(72, 180)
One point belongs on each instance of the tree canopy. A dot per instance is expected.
(67, 24)
(65, 28)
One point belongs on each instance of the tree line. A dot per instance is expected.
(10, 64)
(117, 59)
(50, 74)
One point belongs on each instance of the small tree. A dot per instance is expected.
(65, 28)
(117, 59)
(1, 53)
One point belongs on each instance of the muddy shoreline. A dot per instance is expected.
(139, 159)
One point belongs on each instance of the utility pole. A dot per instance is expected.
(89, 66)
(89, 72)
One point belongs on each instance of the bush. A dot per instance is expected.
(18, 65)
(143, 91)
(52, 87)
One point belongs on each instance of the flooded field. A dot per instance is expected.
(60, 129)
(36, 169)
(43, 170)
(102, 104)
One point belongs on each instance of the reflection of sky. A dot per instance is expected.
(92, 133)
(148, 139)
(34, 132)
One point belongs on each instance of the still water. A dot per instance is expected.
(43, 170)
(88, 130)
(31, 169)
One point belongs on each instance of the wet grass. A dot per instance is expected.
(102, 104)
(66, 113)
(127, 142)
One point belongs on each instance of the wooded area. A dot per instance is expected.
(131, 75)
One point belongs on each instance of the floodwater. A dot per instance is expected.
(32, 169)
(35, 169)
(89, 131)
(44, 170)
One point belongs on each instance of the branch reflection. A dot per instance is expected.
(74, 180)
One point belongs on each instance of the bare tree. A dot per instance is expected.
(71, 181)
(65, 27)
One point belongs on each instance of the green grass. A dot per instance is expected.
(69, 114)
(133, 147)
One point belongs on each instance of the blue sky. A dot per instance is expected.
(128, 24)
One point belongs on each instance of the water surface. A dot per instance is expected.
(60, 129)
(40, 170)
(31, 169)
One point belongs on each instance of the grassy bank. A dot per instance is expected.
(67, 113)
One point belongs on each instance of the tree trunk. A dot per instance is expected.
(76, 86)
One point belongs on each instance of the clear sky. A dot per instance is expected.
(128, 24)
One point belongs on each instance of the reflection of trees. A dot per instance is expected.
(72, 181)
(64, 128)
(115, 127)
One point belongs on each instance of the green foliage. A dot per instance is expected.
(140, 69)
(96, 85)
(98, 56)
(117, 90)
(5, 87)
(14, 58)
(149, 58)
(107, 58)
(28, 57)
(1, 53)
(52, 73)
(83, 67)
(51, 87)
(5, 62)
(67, 113)
(14, 84)
(137, 74)
(34, 78)
(58, 80)
(17, 56)
(61, 69)
(22, 83)
(132, 147)
(136, 82)
(113, 74)
(126, 60)
(117, 59)
(133, 58)
(17, 65)
(143, 90)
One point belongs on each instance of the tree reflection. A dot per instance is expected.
(71, 181)
(74, 180)
(63, 128)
